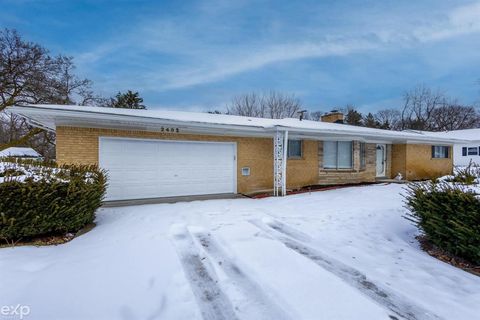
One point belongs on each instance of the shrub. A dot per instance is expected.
(43, 199)
(449, 215)
(466, 175)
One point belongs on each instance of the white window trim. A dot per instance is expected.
(472, 154)
(336, 150)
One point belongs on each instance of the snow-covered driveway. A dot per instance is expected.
(339, 254)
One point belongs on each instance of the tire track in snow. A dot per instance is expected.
(286, 229)
(261, 306)
(386, 297)
(212, 301)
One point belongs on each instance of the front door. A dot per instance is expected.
(381, 160)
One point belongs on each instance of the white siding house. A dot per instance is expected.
(465, 152)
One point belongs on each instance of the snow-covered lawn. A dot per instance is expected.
(339, 254)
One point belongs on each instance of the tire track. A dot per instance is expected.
(260, 306)
(211, 300)
(399, 305)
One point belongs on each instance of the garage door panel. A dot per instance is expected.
(160, 168)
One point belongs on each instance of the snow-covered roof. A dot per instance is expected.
(19, 152)
(51, 116)
(466, 134)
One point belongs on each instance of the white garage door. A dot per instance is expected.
(139, 169)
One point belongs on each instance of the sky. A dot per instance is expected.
(198, 55)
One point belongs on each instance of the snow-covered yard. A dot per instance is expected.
(339, 254)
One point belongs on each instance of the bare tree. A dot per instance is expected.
(248, 105)
(427, 110)
(272, 105)
(389, 118)
(66, 85)
(28, 74)
(455, 117)
(419, 107)
(315, 115)
(278, 105)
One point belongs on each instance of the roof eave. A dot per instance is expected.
(65, 117)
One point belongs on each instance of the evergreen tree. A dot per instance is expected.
(369, 121)
(353, 117)
(127, 100)
(386, 125)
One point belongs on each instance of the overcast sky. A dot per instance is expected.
(197, 55)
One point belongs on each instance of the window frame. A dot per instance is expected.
(446, 154)
(472, 154)
(336, 168)
(363, 155)
(295, 157)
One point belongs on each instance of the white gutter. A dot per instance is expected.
(89, 115)
(34, 123)
(383, 135)
(92, 116)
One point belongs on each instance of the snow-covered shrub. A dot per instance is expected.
(448, 212)
(467, 175)
(39, 199)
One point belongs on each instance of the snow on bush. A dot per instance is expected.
(38, 199)
(447, 210)
(25, 170)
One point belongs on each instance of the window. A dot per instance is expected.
(439, 152)
(294, 149)
(464, 151)
(363, 163)
(337, 155)
(473, 151)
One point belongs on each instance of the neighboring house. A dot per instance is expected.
(20, 153)
(463, 152)
(154, 153)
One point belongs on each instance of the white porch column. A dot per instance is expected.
(280, 145)
(284, 169)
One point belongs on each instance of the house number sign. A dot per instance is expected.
(172, 130)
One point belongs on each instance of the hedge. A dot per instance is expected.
(39, 199)
(449, 215)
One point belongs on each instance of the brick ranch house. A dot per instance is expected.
(153, 153)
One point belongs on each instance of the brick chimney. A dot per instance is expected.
(333, 116)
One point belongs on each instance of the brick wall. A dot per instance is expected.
(399, 160)
(80, 145)
(356, 174)
(415, 162)
(304, 171)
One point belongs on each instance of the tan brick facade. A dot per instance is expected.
(304, 171)
(415, 162)
(80, 145)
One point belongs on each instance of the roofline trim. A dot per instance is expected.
(88, 115)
